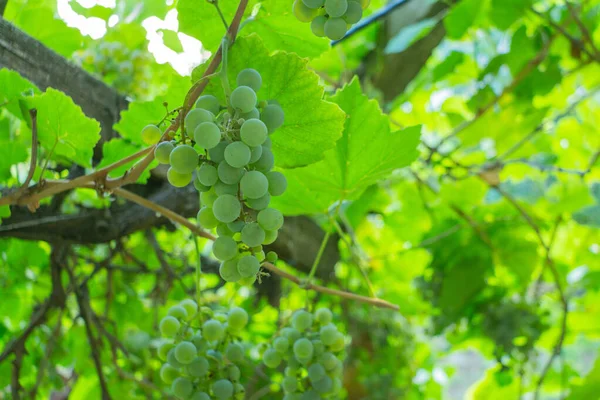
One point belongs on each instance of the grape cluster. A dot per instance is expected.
(232, 173)
(331, 18)
(310, 348)
(200, 361)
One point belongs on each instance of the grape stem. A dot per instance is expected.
(315, 265)
(198, 272)
(216, 4)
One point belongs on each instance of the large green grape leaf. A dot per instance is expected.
(365, 154)
(63, 128)
(312, 125)
(12, 87)
(117, 149)
(461, 17)
(504, 12)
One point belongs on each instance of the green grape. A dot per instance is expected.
(223, 188)
(249, 77)
(270, 237)
(237, 154)
(163, 350)
(209, 103)
(185, 352)
(316, 372)
(259, 204)
(272, 115)
(208, 198)
(253, 235)
(184, 159)
(248, 266)
(336, 8)
(200, 187)
(233, 372)
(323, 316)
(197, 116)
(178, 180)
(310, 395)
(339, 343)
(293, 396)
(303, 348)
(229, 272)
(240, 391)
(270, 219)
(163, 151)
(237, 318)
(271, 358)
(224, 231)
(182, 388)
(220, 316)
(168, 373)
(200, 343)
(222, 389)
(213, 330)
(191, 307)
(172, 360)
(243, 98)
(236, 226)
(169, 326)
(272, 257)
(323, 385)
(281, 344)
(266, 161)
(200, 396)
(353, 13)
(317, 26)
(254, 185)
(227, 208)
(207, 219)
(290, 371)
(254, 113)
(151, 134)
(207, 174)
(292, 362)
(329, 361)
(253, 132)
(291, 333)
(337, 385)
(207, 135)
(228, 174)
(268, 143)
(217, 153)
(302, 320)
(289, 384)
(178, 312)
(249, 281)
(328, 334)
(255, 153)
(313, 3)
(260, 256)
(225, 248)
(198, 367)
(303, 13)
(335, 28)
(234, 352)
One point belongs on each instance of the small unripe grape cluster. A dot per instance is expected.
(310, 349)
(233, 173)
(200, 362)
(331, 18)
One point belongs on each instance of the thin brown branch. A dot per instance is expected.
(584, 30)
(16, 372)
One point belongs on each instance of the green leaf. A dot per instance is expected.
(171, 40)
(504, 12)
(461, 17)
(12, 88)
(366, 153)
(489, 388)
(63, 128)
(96, 11)
(117, 149)
(4, 212)
(409, 35)
(590, 387)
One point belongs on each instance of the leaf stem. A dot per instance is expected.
(315, 265)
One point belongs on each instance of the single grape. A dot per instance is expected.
(323, 316)
(336, 8)
(290, 371)
(207, 219)
(178, 312)
(255, 153)
(353, 13)
(313, 3)
(249, 281)
(328, 334)
(177, 179)
(207, 174)
(200, 187)
(182, 388)
(289, 384)
(291, 333)
(266, 161)
(237, 154)
(270, 219)
(248, 266)
(198, 367)
(316, 372)
(225, 248)
(223, 188)
(339, 343)
(281, 344)
(227, 208)
(273, 117)
(249, 77)
(209, 103)
(163, 151)
(243, 98)
(259, 204)
(191, 307)
(272, 257)
(229, 272)
(268, 143)
(236, 226)
(329, 361)
(234, 373)
(222, 389)
(253, 132)
(197, 116)
(151, 134)
(224, 231)
(303, 348)
(254, 113)
(184, 159)
(277, 183)
(217, 153)
(207, 135)
(234, 352)
(302, 12)
(200, 396)
(302, 320)
(185, 352)
(323, 385)
(253, 235)
(271, 358)
(237, 318)
(169, 326)
(254, 185)
(168, 373)
(164, 349)
(240, 391)
(208, 198)
(229, 174)
(310, 395)
(213, 330)
(317, 26)
(335, 28)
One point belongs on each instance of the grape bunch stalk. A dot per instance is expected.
(310, 349)
(201, 352)
(331, 18)
(232, 161)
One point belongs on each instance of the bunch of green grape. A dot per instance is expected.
(331, 18)
(232, 161)
(310, 350)
(202, 351)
